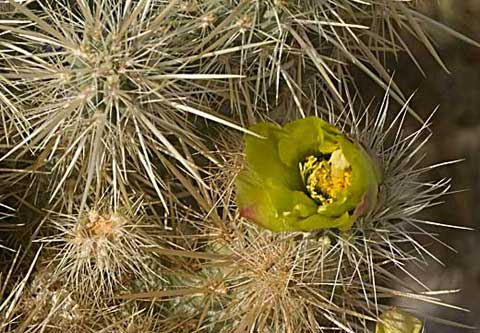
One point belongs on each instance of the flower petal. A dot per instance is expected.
(365, 177)
(307, 136)
(263, 157)
(317, 221)
(253, 202)
(275, 208)
(313, 222)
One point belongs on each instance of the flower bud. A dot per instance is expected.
(396, 321)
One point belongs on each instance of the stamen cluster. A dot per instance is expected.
(324, 179)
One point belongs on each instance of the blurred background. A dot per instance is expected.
(456, 135)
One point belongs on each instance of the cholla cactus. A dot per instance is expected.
(102, 88)
(118, 87)
(104, 249)
(105, 101)
(49, 306)
(324, 280)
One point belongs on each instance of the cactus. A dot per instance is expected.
(125, 187)
(255, 279)
(97, 253)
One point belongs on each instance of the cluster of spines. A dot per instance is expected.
(322, 281)
(104, 100)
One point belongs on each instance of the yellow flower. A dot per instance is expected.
(305, 176)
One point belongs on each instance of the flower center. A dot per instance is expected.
(325, 177)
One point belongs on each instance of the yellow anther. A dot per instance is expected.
(325, 180)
